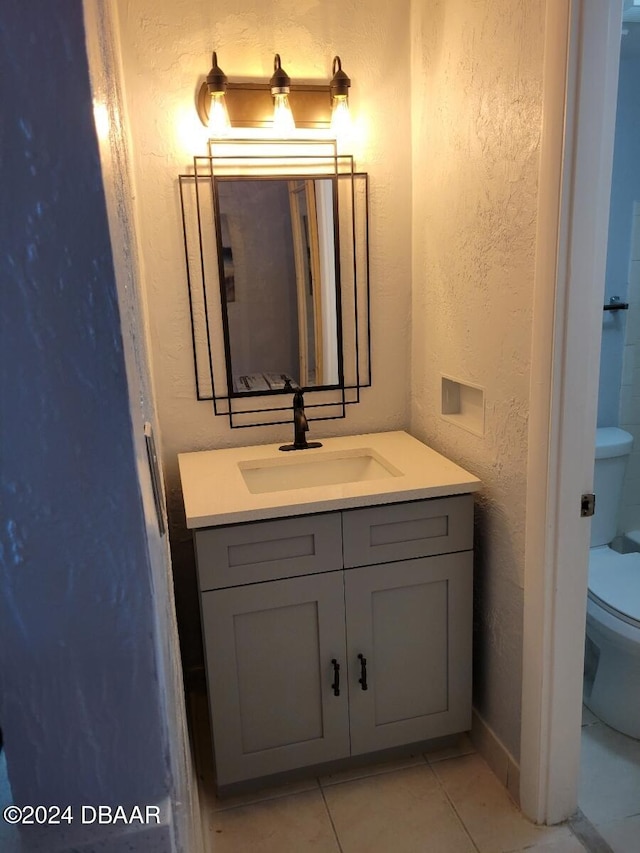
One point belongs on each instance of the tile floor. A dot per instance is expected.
(610, 784)
(440, 802)
(447, 801)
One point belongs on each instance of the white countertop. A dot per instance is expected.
(215, 492)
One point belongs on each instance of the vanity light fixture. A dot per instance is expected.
(272, 104)
(280, 83)
(340, 116)
(218, 121)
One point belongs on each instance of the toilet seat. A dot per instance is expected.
(614, 583)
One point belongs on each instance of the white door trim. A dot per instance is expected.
(582, 44)
(101, 33)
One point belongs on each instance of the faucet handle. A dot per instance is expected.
(287, 385)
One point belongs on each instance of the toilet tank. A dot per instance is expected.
(613, 447)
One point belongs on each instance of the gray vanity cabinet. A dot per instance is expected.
(336, 634)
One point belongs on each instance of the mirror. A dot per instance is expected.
(277, 274)
(278, 260)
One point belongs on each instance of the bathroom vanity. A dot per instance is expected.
(336, 598)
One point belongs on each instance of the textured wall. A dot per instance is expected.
(476, 69)
(166, 51)
(80, 703)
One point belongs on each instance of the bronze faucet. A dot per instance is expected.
(300, 423)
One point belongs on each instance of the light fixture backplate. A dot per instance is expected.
(250, 104)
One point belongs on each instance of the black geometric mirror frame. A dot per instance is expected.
(202, 246)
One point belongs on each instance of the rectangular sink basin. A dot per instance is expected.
(319, 469)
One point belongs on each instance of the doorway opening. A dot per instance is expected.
(610, 758)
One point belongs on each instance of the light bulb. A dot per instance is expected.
(283, 123)
(216, 117)
(340, 118)
(219, 124)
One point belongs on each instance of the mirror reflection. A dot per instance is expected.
(279, 282)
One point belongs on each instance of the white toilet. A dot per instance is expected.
(612, 654)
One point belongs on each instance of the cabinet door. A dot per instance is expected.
(269, 650)
(411, 621)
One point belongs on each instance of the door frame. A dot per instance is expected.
(102, 46)
(582, 48)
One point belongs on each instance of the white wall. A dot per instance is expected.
(166, 51)
(618, 327)
(630, 390)
(619, 398)
(166, 48)
(476, 106)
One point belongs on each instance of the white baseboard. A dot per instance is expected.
(496, 755)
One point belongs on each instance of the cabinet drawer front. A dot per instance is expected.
(383, 534)
(268, 550)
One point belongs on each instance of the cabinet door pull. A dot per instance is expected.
(336, 677)
(363, 672)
